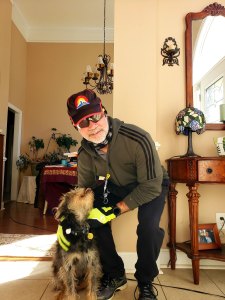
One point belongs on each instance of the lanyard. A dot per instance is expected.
(106, 192)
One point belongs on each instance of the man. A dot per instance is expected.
(120, 163)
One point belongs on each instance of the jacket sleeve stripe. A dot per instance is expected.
(146, 147)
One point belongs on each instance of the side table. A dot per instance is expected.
(192, 171)
(56, 181)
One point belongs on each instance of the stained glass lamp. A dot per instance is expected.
(190, 120)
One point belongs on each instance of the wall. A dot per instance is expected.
(18, 71)
(151, 95)
(146, 93)
(5, 39)
(54, 72)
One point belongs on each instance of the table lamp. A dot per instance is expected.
(190, 120)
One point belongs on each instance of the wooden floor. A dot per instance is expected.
(24, 218)
(35, 277)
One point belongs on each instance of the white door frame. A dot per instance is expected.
(16, 149)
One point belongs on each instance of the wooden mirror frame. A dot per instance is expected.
(214, 9)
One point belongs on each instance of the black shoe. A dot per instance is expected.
(109, 286)
(147, 292)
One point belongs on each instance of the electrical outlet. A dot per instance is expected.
(220, 218)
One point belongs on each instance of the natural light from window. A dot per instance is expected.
(209, 47)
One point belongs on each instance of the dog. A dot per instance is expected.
(79, 267)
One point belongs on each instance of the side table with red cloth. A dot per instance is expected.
(56, 181)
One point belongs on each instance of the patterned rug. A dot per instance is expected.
(23, 246)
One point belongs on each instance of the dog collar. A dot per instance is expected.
(83, 230)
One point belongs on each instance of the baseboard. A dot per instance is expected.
(130, 258)
(183, 262)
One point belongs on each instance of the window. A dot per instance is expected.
(214, 95)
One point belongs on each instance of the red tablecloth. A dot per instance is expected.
(57, 181)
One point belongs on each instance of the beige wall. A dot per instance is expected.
(18, 72)
(54, 72)
(5, 38)
(42, 77)
(146, 93)
(151, 95)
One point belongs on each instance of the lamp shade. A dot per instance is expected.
(190, 119)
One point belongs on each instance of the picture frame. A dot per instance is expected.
(208, 237)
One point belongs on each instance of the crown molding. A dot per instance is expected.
(19, 21)
(58, 34)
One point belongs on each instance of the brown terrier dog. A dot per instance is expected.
(76, 266)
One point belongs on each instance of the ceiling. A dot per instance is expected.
(63, 20)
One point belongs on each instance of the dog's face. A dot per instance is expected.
(78, 202)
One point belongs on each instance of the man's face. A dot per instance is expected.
(95, 132)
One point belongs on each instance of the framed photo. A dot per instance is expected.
(208, 237)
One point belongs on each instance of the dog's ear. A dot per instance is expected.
(60, 211)
(54, 211)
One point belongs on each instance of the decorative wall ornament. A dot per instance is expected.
(170, 52)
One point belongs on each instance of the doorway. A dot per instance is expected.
(8, 155)
(12, 152)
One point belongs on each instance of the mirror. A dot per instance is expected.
(205, 63)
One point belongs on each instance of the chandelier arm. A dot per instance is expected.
(102, 77)
(92, 86)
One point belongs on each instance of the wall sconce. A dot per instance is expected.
(170, 52)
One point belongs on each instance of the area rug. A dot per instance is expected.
(23, 246)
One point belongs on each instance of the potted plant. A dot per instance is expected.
(35, 145)
(65, 141)
(26, 160)
(23, 162)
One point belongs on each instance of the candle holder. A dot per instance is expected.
(170, 52)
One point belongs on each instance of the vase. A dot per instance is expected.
(220, 145)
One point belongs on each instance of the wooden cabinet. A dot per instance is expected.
(192, 171)
(1, 167)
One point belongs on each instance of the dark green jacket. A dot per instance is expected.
(132, 161)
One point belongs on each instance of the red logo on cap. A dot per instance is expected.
(81, 101)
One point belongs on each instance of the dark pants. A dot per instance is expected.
(149, 241)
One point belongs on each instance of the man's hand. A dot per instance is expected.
(64, 243)
(100, 216)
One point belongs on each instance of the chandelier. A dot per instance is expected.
(101, 78)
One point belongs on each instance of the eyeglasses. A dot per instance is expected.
(85, 123)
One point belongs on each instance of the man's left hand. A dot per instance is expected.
(100, 216)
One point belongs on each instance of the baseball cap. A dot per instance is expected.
(83, 105)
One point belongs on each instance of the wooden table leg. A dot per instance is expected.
(193, 200)
(172, 196)
(195, 268)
